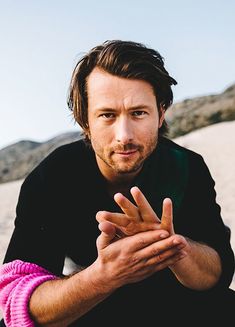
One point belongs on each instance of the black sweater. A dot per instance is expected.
(56, 218)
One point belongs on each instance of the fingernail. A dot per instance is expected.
(163, 235)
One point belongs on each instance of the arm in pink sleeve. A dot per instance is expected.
(18, 280)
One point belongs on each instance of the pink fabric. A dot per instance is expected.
(18, 280)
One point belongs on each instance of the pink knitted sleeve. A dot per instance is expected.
(18, 280)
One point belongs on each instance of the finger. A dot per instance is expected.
(161, 263)
(167, 216)
(142, 240)
(165, 247)
(145, 209)
(137, 227)
(108, 234)
(165, 257)
(127, 207)
(116, 218)
(107, 228)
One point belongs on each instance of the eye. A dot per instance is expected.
(107, 115)
(139, 113)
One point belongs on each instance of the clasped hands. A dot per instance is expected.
(140, 217)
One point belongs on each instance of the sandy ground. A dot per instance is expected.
(8, 199)
(216, 143)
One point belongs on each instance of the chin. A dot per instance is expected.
(129, 170)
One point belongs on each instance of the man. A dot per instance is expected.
(134, 210)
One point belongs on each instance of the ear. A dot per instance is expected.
(161, 116)
(88, 135)
(86, 132)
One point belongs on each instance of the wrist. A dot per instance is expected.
(101, 282)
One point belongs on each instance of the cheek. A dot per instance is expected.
(151, 135)
(100, 135)
(99, 138)
(100, 131)
(150, 129)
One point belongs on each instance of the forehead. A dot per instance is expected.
(103, 85)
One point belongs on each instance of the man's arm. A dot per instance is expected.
(200, 269)
(62, 301)
(119, 262)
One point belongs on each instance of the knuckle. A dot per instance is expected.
(141, 242)
(153, 252)
(160, 257)
(135, 259)
(131, 228)
(180, 238)
(98, 241)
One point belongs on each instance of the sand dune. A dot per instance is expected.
(215, 143)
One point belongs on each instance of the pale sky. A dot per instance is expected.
(40, 42)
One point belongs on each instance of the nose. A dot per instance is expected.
(124, 130)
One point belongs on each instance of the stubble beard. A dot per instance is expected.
(126, 166)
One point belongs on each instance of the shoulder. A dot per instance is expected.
(65, 161)
(173, 146)
(193, 160)
(72, 154)
(70, 150)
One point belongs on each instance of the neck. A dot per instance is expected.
(116, 181)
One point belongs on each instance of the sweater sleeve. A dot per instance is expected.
(39, 228)
(201, 218)
(18, 280)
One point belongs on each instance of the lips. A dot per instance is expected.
(125, 152)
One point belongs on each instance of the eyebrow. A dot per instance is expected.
(138, 107)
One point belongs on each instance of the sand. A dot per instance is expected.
(215, 143)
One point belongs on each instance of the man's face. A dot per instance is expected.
(123, 122)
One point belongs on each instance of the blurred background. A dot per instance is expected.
(42, 40)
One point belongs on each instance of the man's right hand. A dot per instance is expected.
(134, 258)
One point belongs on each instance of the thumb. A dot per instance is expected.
(167, 216)
(108, 233)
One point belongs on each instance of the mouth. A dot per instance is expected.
(126, 153)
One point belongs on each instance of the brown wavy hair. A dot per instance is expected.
(125, 59)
